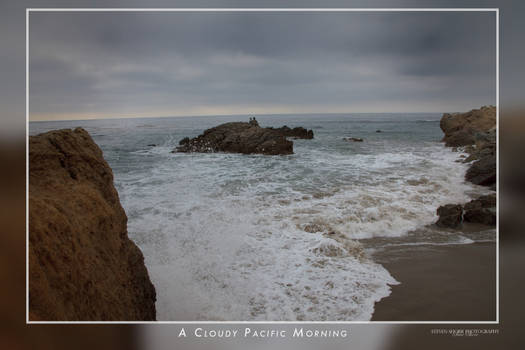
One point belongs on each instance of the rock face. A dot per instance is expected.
(481, 211)
(483, 171)
(477, 131)
(246, 138)
(460, 128)
(82, 265)
(450, 215)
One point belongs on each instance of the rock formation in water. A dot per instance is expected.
(450, 215)
(82, 265)
(246, 138)
(480, 211)
(461, 128)
(476, 131)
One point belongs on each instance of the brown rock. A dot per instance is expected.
(450, 215)
(82, 265)
(476, 130)
(483, 171)
(481, 210)
(461, 127)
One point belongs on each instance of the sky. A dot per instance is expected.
(85, 65)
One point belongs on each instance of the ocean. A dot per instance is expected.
(281, 238)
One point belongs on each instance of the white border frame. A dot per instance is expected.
(495, 10)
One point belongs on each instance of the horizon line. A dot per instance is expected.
(238, 114)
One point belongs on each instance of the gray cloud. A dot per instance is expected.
(103, 64)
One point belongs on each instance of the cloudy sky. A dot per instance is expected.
(104, 65)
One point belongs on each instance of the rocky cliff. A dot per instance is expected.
(461, 129)
(82, 265)
(476, 130)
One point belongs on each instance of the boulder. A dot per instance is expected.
(450, 215)
(483, 171)
(481, 210)
(82, 264)
(238, 137)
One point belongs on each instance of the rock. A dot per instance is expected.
(460, 138)
(481, 210)
(476, 131)
(476, 120)
(450, 215)
(298, 133)
(238, 137)
(483, 171)
(353, 139)
(82, 265)
(152, 145)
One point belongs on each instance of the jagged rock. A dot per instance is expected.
(450, 215)
(238, 137)
(82, 265)
(481, 210)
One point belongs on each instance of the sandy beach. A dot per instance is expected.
(440, 283)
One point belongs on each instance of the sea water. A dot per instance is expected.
(255, 237)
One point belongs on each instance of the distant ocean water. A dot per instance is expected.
(253, 237)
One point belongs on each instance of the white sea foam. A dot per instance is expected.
(237, 237)
(226, 237)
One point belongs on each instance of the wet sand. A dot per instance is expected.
(439, 283)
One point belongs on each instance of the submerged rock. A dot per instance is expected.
(82, 265)
(246, 138)
(353, 139)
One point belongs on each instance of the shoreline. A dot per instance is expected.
(439, 283)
